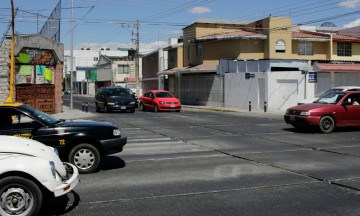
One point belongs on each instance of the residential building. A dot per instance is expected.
(268, 63)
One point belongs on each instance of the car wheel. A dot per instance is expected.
(327, 124)
(156, 108)
(132, 110)
(85, 157)
(141, 107)
(97, 108)
(19, 196)
(177, 110)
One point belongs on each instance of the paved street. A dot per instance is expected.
(200, 162)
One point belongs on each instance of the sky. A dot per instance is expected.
(112, 23)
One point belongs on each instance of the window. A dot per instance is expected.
(199, 49)
(123, 69)
(344, 49)
(280, 46)
(305, 48)
(96, 59)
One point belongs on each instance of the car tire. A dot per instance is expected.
(156, 108)
(327, 124)
(25, 191)
(85, 157)
(97, 108)
(141, 107)
(132, 110)
(177, 110)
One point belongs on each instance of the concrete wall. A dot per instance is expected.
(4, 70)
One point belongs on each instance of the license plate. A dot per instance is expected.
(123, 107)
(172, 106)
(292, 118)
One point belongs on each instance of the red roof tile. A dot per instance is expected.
(326, 67)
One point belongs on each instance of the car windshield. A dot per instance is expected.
(117, 92)
(330, 98)
(41, 115)
(164, 95)
(328, 91)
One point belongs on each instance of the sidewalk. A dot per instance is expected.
(78, 114)
(73, 114)
(226, 109)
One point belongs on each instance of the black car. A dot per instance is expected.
(81, 142)
(114, 98)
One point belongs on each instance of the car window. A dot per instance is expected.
(117, 92)
(14, 119)
(330, 98)
(164, 95)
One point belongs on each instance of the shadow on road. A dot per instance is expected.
(111, 162)
(59, 205)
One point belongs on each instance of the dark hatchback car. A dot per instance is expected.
(114, 98)
(81, 142)
(335, 109)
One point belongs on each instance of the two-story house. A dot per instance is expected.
(265, 62)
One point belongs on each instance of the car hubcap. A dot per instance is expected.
(326, 124)
(15, 201)
(84, 159)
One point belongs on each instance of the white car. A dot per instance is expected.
(334, 89)
(27, 168)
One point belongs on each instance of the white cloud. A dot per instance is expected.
(200, 10)
(349, 3)
(353, 24)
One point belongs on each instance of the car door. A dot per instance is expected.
(146, 100)
(349, 112)
(23, 125)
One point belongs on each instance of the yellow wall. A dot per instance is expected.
(196, 30)
(233, 49)
(355, 53)
(320, 51)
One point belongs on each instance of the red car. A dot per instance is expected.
(159, 100)
(335, 109)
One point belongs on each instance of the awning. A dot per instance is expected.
(326, 67)
(202, 68)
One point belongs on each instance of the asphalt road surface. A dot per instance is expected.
(200, 162)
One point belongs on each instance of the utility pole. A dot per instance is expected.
(137, 43)
(72, 55)
(12, 63)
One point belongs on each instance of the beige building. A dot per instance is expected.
(285, 54)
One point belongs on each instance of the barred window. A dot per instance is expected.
(199, 50)
(344, 49)
(305, 48)
(280, 46)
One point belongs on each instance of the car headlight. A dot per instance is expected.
(305, 113)
(133, 102)
(116, 132)
(162, 102)
(111, 103)
(52, 168)
(287, 111)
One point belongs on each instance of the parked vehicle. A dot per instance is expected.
(28, 170)
(68, 91)
(334, 109)
(81, 142)
(159, 100)
(334, 89)
(114, 98)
